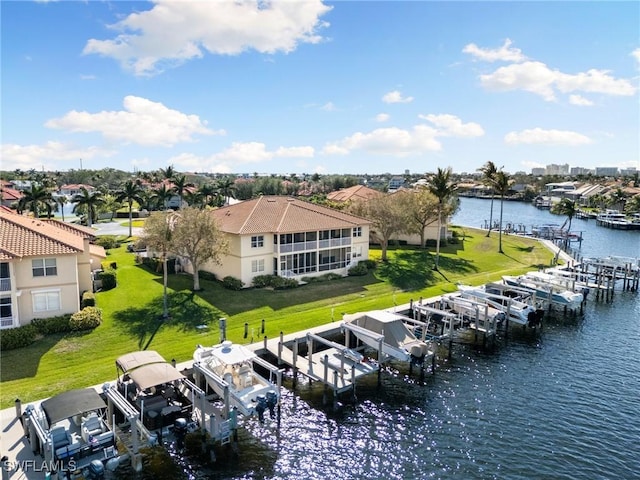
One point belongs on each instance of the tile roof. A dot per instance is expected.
(357, 192)
(22, 236)
(11, 194)
(279, 214)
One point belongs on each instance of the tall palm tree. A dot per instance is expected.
(566, 207)
(88, 201)
(131, 192)
(443, 187)
(489, 171)
(161, 195)
(501, 184)
(168, 173)
(35, 198)
(61, 201)
(226, 187)
(180, 186)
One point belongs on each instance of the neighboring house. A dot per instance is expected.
(10, 195)
(277, 235)
(351, 194)
(45, 266)
(396, 183)
(74, 189)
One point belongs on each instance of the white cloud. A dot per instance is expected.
(538, 78)
(396, 97)
(51, 155)
(382, 117)
(400, 142)
(505, 53)
(328, 107)
(546, 137)
(239, 153)
(580, 101)
(452, 126)
(142, 122)
(173, 32)
(636, 54)
(388, 141)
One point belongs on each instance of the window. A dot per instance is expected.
(46, 301)
(257, 241)
(44, 267)
(357, 231)
(257, 266)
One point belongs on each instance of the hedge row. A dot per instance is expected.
(86, 319)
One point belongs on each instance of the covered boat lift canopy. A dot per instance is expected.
(398, 341)
(71, 403)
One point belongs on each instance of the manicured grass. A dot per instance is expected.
(132, 311)
(134, 223)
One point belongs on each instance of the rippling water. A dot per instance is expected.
(560, 404)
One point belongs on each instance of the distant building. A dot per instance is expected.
(395, 183)
(580, 171)
(554, 169)
(538, 172)
(606, 171)
(628, 172)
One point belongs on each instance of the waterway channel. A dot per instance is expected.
(560, 404)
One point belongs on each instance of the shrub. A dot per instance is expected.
(370, 264)
(88, 300)
(47, 326)
(431, 242)
(358, 270)
(232, 283)
(108, 241)
(262, 281)
(281, 283)
(108, 278)
(204, 275)
(86, 319)
(19, 337)
(453, 240)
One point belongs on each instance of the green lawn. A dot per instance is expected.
(132, 311)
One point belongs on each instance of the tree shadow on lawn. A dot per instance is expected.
(412, 270)
(184, 313)
(24, 362)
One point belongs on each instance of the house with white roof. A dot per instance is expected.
(288, 237)
(45, 266)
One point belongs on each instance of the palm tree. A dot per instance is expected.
(180, 186)
(489, 171)
(131, 192)
(62, 201)
(88, 201)
(168, 173)
(442, 186)
(226, 187)
(34, 198)
(161, 195)
(566, 207)
(501, 184)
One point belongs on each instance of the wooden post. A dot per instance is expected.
(246, 329)
(262, 328)
(295, 362)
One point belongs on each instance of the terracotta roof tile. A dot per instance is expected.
(278, 214)
(357, 192)
(22, 236)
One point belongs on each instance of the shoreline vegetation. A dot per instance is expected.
(132, 312)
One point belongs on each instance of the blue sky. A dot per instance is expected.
(311, 86)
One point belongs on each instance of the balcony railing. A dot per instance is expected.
(5, 284)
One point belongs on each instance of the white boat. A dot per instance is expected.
(71, 430)
(518, 312)
(397, 342)
(613, 219)
(228, 366)
(546, 291)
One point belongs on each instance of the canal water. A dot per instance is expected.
(560, 404)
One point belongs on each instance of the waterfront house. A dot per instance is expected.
(288, 237)
(353, 194)
(10, 196)
(45, 266)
